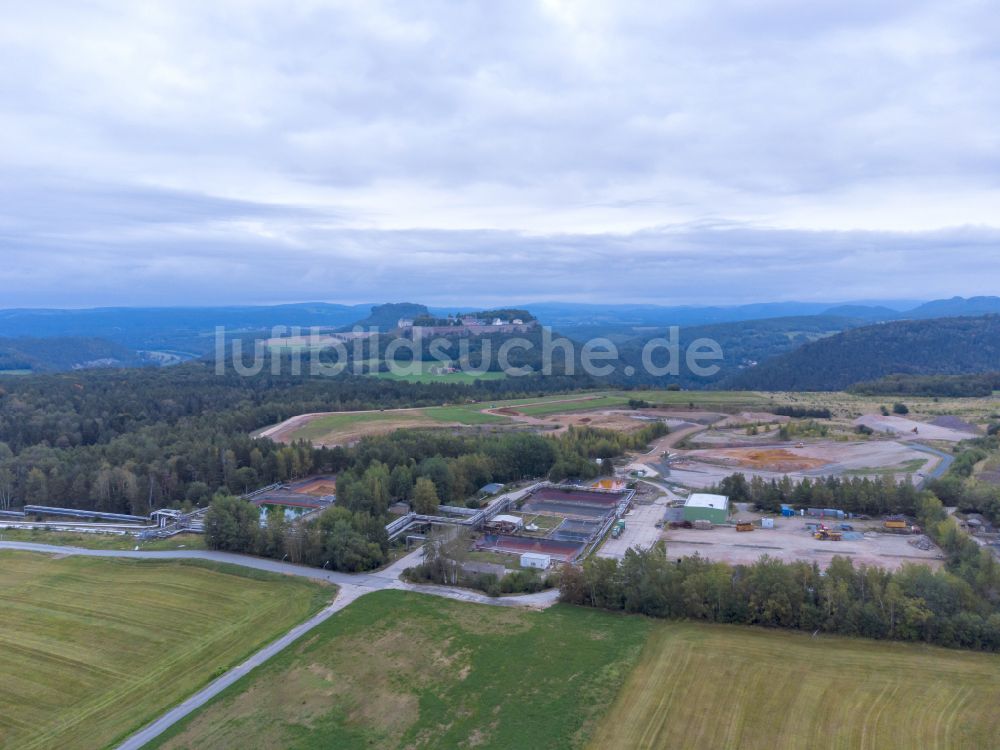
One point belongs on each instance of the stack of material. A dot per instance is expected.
(922, 542)
(702, 524)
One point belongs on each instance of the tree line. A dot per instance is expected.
(961, 488)
(868, 495)
(977, 385)
(956, 607)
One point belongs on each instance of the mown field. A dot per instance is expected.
(403, 670)
(700, 399)
(330, 427)
(571, 404)
(707, 686)
(346, 426)
(101, 541)
(91, 649)
(425, 375)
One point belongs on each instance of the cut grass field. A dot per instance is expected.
(571, 404)
(403, 670)
(699, 399)
(329, 426)
(708, 686)
(91, 649)
(89, 540)
(468, 414)
(426, 376)
(906, 467)
(341, 427)
(397, 669)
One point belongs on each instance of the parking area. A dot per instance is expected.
(790, 541)
(640, 530)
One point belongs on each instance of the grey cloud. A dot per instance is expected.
(247, 151)
(685, 264)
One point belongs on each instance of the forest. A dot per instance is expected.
(135, 440)
(944, 346)
(63, 353)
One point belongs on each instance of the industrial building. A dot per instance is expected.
(704, 507)
(535, 560)
(504, 523)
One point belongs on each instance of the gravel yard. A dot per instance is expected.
(790, 541)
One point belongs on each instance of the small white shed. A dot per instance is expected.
(535, 560)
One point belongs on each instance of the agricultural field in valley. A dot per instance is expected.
(93, 648)
(702, 687)
(403, 670)
(428, 372)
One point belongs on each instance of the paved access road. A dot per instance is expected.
(351, 586)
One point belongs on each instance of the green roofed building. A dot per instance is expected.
(704, 507)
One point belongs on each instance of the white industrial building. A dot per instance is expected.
(535, 560)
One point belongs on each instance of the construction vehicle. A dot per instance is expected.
(744, 526)
(896, 525)
(824, 534)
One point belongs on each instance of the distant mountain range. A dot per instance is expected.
(619, 317)
(185, 329)
(751, 334)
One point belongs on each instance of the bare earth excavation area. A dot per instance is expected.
(703, 467)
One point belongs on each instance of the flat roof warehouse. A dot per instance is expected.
(704, 500)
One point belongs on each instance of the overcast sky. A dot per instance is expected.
(668, 152)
